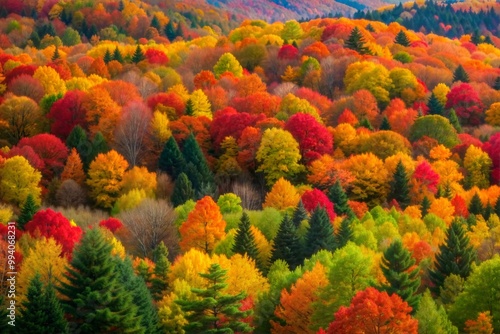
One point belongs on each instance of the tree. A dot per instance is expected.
(475, 205)
(320, 234)
(402, 39)
(107, 57)
(400, 186)
(496, 85)
(478, 165)
(481, 325)
(27, 211)
(19, 117)
(97, 305)
(105, 178)
(344, 233)
(41, 312)
(465, 100)
(374, 312)
(338, 197)
(138, 55)
(299, 214)
(402, 277)
(287, 245)
(159, 283)
(356, 42)
(170, 31)
(425, 206)
(385, 126)
(454, 121)
(18, 180)
(283, 195)
(460, 74)
(493, 114)
(455, 256)
(200, 104)
(73, 170)
(432, 319)
(171, 160)
(213, 305)
(183, 190)
(228, 63)
(434, 126)
(435, 106)
(117, 55)
(193, 155)
(50, 80)
(204, 226)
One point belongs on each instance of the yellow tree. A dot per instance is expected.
(18, 179)
(440, 91)
(140, 178)
(19, 117)
(443, 208)
(291, 104)
(103, 112)
(204, 226)
(74, 168)
(283, 195)
(201, 105)
(50, 80)
(228, 63)
(493, 114)
(106, 178)
(478, 165)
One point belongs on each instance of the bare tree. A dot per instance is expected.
(70, 194)
(251, 198)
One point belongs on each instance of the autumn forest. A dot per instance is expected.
(177, 167)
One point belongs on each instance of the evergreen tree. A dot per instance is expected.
(447, 191)
(338, 197)
(435, 107)
(396, 265)
(179, 32)
(27, 212)
(138, 55)
(476, 37)
(488, 40)
(77, 138)
(496, 85)
(369, 27)
(460, 74)
(299, 214)
(385, 124)
(117, 55)
(171, 159)
(107, 56)
(159, 283)
(402, 39)
(497, 207)
(287, 245)
(320, 234)
(455, 256)
(98, 145)
(155, 23)
(344, 233)
(56, 54)
(41, 312)
(475, 205)
(95, 300)
(170, 31)
(244, 241)
(205, 313)
(365, 123)
(454, 121)
(356, 42)
(183, 190)
(488, 210)
(189, 108)
(193, 154)
(400, 190)
(425, 206)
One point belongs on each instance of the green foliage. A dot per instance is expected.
(402, 39)
(320, 234)
(117, 55)
(244, 241)
(228, 63)
(338, 197)
(475, 205)
(356, 42)
(432, 319)
(268, 221)
(460, 74)
(400, 189)
(454, 120)
(425, 206)
(171, 159)
(403, 57)
(435, 107)
(436, 127)
(385, 126)
(70, 37)
(344, 233)
(27, 211)
(183, 190)
(287, 245)
(200, 175)
(229, 203)
(107, 57)
(138, 55)
(159, 283)
(299, 215)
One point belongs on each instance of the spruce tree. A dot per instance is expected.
(159, 283)
(476, 37)
(496, 85)
(107, 56)
(287, 245)
(56, 54)
(385, 124)
(435, 107)
(98, 145)
(365, 123)
(320, 234)
(138, 55)
(454, 121)
(171, 160)
(460, 74)
(299, 214)
(344, 233)
(41, 312)
(170, 31)
(96, 302)
(487, 40)
(395, 265)
(488, 210)
(117, 55)
(189, 108)
(183, 190)
(27, 212)
(204, 313)
(369, 27)
(402, 39)
(155, 23)
(356, 42)
(425, 206)
(77, 138)
(400, 190)
(193, 154)
(455, 256)
(338, 197)
(475, 205)
(244, 241)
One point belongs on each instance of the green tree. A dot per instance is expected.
(320, 234)
(435, 107)
(344, 233)
(496, 85)
(138, 55)
(356, 42)
(452, 287)
(193, 154)
(159, 283)
(287, 245)
(228, 63)
(171, 160)
(497, 207)
(107, 57)
(475, 205)
(337, 195)
(400, 190)
(432, 319)
(386, 126)
(299, 214)
(460, 74)
(183, 190)
(95, 300)
(205, 312)
(170, 31)
(434, 126)
(455, 256)
(189, 108)
(56, 54)
(244, 241)
(27, 212)
(425, 206)
(402, 279)
(402, 39)
(117, 55)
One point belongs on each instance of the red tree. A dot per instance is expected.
(67, 113)
(467, 104)
(168, 100)
(288, 51)
(30, 155)
(426, 176)
(312, 198)
(460, 206)
(156, 57)
(111, 224)
(256, 103)
(492, 147)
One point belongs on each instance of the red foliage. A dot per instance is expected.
(460, 206)
(122, 92)
(30, 155)
(26, 85)
(313, 138)
(347, 117)
(424, 145)
(62, 68)
(248, 145)
(67, 113)
(204, 80)
(156, 57)
(111, 224)
(17, 71)
(492, 147)
(4, 57)
(321, 102)
(168, 100)
(312, 198)
(466, 141)
(421, 250)
(256, 103)
(467, 104)
(199, 126)
(420, 107)
(51, 224)
(359, 208)
(336, 30)
(288, 51)
(269, 123)
(426, 176)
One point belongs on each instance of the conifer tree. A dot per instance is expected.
(488, 210)
(365, 123)
(425, 206)
(117, 55)
(170, 31)
(496, 85)
(475, 205)
(402, 39)
(454, 121)
(107, 57)
(287, 245)
(487, 40)
(171, 159)
(205, 313)
(455, 256)
(320, 234)
(356, 42)
(77, 138)
(497, 207)
(189, 108)
(56, 54)
(460, 74)
(400, 190)
(299, 214)
(183, 190)
(435, 107)
(244, 241)
(155, 23)
(476, 37)
(396, 264)
(369, 27)
(27, 212)
(159, 283)
(385, 124)
(338, 197)
(98, 145)
(344, 233)
(95, 300)
(41, 312)
(138, 55)
(193, 154)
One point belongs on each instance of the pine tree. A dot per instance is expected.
(179, 32)
(107, 56)
(475, 205)
(385, 124)
(476, 37)
(170, 31)
(369, 27)
(338, 197)
(171, 159)
(425, 206)
(193, 154)
(299, 214)
(455, 256)
(189, 108)
(460, 74)
(356, 42)
(77, 138)
(344, 233)
(365, 123)
(138, 55)
(402, 39)
(487, 40)
(244, 241)
(454, 121)
(155, 23)
(488, 210)
(41, 312)
(396, 265)
(117, 55)
(287, 245)
(447, 191)
(27, 212)
(56, 54)
(435, 107)
(496, 85)
(159, 283)
(320, 234)
(183, 190)
(95, 300)
(400, 190)
(205, 312)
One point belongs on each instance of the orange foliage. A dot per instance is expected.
(282, 196)
(74, 168)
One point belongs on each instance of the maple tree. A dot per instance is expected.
(283, 195)
(464, 99)
(314, 198)
(18, 180)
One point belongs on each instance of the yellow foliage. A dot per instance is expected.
(180, 90)
(478, 233)
(440, 91)
(6, 213)
(413, 211)
(282, 196)
(140, 178)
(18, 179)
(50, 80)
(264, 247)
(129, 200)
(440, 152)
(493, 114)
(201, 104)
(443, 208)
(392, 162)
